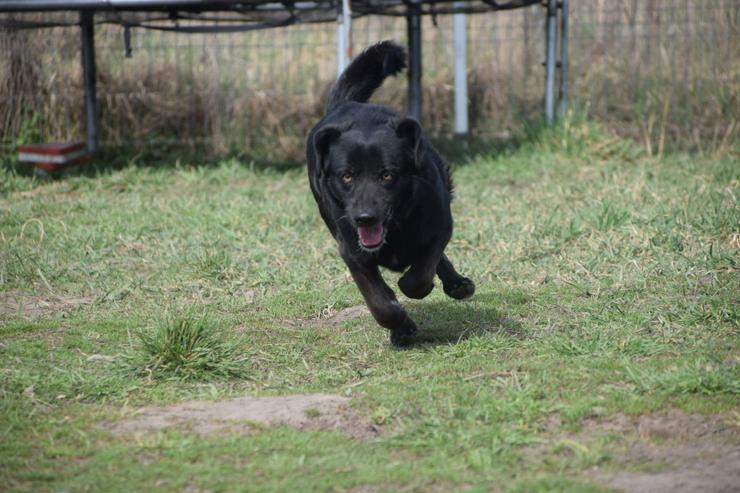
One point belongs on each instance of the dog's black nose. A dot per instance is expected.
(365, 219)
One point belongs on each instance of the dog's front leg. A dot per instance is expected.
(382, 302)
(454, 285)
(418, 281)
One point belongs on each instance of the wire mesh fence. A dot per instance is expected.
(664, 72)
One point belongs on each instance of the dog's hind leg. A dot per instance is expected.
(454, 285)
(383, 304)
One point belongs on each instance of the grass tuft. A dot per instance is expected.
(218, 265)
(189, 347)
(697, 377)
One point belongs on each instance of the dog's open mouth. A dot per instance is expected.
(370, 236)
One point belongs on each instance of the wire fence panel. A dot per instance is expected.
(664, 72)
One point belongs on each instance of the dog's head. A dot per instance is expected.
(368, 172)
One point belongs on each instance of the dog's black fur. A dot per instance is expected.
(383, 191)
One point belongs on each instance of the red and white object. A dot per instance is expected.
(54, 156)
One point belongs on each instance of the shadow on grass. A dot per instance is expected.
(451, 321)
(110, 159)
(457, 150)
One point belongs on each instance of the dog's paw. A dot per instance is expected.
(405, 335)
(460, 289)
(411, 287)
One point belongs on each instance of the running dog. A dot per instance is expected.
(384, 193)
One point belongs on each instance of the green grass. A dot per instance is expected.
(188, 347)
(607, 280)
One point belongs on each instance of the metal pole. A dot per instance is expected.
(551, 41)
(342, 60)
(461, 83)
(413, 24)
(563, 58)
(88, 76)
(347, 11)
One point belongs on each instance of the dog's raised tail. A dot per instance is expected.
(366, 73)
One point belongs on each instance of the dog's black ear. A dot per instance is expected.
(409, 130)
(322, 139)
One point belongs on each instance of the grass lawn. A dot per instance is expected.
(602, 339)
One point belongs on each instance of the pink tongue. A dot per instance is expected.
(370, 236)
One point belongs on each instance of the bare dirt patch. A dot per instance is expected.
(720, 474)
(311, 412)
(329, 317)
(671, 424)
(345, 314)
(29, 305)
(683, 452)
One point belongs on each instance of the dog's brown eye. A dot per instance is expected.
(386, 176)
(347, 178)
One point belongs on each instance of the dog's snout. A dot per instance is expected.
(366, 219)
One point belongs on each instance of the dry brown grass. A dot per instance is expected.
(665, 72)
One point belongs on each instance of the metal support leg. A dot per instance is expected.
(563, 58)
(461, 82)
(413, 21)
(551, 40)
(88, 76)
(344, 36)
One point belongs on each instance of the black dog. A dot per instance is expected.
(383, 192)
